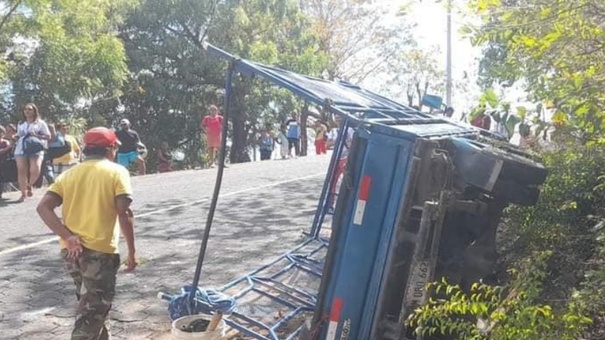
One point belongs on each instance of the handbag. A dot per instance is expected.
(32, 145)
(59, 151)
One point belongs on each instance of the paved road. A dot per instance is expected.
(261, 213)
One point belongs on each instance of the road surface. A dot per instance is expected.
(263, 209)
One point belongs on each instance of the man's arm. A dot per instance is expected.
(136, 137)
(126, 218)
(76, 148)
(46, 210)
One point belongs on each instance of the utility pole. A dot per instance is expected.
(448, 71)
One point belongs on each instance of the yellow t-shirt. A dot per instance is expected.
(88, 192)
(70, 157)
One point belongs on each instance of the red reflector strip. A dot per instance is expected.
(334, 318)
(336, 309)
(364, 189)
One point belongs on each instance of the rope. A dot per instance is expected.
(205, 301)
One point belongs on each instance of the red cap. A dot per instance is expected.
(101, 137)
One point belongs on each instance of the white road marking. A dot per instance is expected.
(158, 211)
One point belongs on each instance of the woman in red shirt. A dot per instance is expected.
(212, 127)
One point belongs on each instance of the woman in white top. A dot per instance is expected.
(28, 165)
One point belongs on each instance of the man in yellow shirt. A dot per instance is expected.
(95, 198)
(69, 160)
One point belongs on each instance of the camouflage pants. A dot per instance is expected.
(94, 274)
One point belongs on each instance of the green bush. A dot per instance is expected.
(514, 312)
(552, 263)
(562, 222)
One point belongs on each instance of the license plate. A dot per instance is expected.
(416, 292)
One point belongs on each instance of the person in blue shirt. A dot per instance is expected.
(293, 134)
(266, 142)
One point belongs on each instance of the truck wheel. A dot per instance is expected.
(516, 193)
(514, 166)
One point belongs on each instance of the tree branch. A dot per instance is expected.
(10, 12)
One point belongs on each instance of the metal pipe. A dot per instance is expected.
(217, 186)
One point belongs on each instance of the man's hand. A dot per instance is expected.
(74, 247)
(131, 263)
(126, 217)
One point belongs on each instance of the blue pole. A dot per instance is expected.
(217, 186)
(322, 206)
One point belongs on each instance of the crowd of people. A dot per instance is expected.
(289, 138)
(35, 150)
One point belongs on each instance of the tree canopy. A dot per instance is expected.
(61, 54)
(99, 61)
(554, 48)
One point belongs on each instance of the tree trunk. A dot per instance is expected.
(410, 95)
(238, 145)
(238, 152)
(303, 129)
(419, 92)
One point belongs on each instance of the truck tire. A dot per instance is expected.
(515, 167)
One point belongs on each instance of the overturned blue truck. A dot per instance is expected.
(421, 199)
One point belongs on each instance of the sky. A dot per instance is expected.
(431, 30)
(430, 17)
(430, 33)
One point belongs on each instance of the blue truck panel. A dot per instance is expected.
(378, 176)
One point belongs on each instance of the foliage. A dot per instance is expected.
(563, 222)
(414, 73)
(501, 113)
(174, 80)
(552, 46)
(63, 55)
(356, 36)
(499, 313)
(552, 262)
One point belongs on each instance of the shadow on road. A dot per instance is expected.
(37, 296)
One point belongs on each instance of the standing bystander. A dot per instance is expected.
(29, 151)
(293, 134)
(212, 127)
(266, 143)
(164, 158)
(321, 132)
(70, 159)
(282, 140)
(128, 152)
(5, 149)
(95, 198)
(11, 133)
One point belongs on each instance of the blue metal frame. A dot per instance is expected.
(296, 298)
